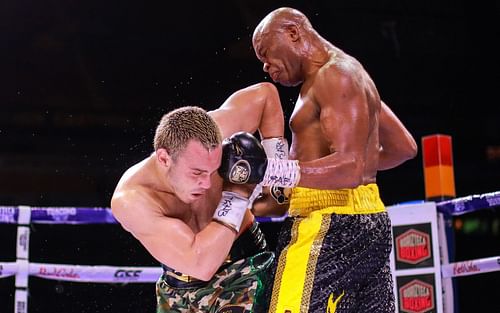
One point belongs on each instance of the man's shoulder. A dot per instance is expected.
(132, 180)
(337, 74)
(134, 206)
(329, 77)
(129, 196)
(338, 66)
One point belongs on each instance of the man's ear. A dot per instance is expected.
(293, 32)
(163, 157)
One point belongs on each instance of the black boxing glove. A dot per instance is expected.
(244, 160)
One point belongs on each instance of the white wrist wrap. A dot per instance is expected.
(276, 148)
(282, 173)
(231, 210)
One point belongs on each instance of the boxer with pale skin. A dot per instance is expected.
(170, 200)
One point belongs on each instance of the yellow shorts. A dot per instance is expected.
(330, 238)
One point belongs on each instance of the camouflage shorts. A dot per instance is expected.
(236, 289)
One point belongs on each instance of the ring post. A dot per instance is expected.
(439, 182)
(22, 259)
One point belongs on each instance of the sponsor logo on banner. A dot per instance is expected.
(465, 267)
(56, 271)
(7, 215)
(413, 247)
(61, 214)
(416, 297)
(127, 275)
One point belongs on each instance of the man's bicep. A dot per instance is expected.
(388, 123)
(164, 237)
(344, 119)
(342, 108)
(168, 239)
(391, 129)
(398, 145)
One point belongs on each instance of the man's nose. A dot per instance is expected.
(265, 68)
(205, 182)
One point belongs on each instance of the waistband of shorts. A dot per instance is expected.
(364, 199)
(179, 280)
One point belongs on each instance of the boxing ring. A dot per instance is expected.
(419, 260)
(422, 273)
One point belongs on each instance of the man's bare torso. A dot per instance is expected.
(309, 141)
(140, 180)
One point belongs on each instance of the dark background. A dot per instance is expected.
(83, 84)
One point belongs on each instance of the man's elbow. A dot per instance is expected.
(206, 275)
(352, 173)
(202, 268)
(403, 152)
(356, 180)
(205, 272)
(267, 88)
(193, 266)
(412, 150)
(356, 176)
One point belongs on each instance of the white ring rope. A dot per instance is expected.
(471, 267)
(24, 215)
(130, 274)
(85, 273)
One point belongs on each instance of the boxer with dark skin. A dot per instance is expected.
(342, 134)
(340, 126)
(167, 201)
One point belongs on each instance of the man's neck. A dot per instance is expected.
(159, 177)
(315, 57)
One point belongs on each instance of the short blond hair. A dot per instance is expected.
(181, 125)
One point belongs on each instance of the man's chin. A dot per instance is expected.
(288, 83)
(190, 198)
